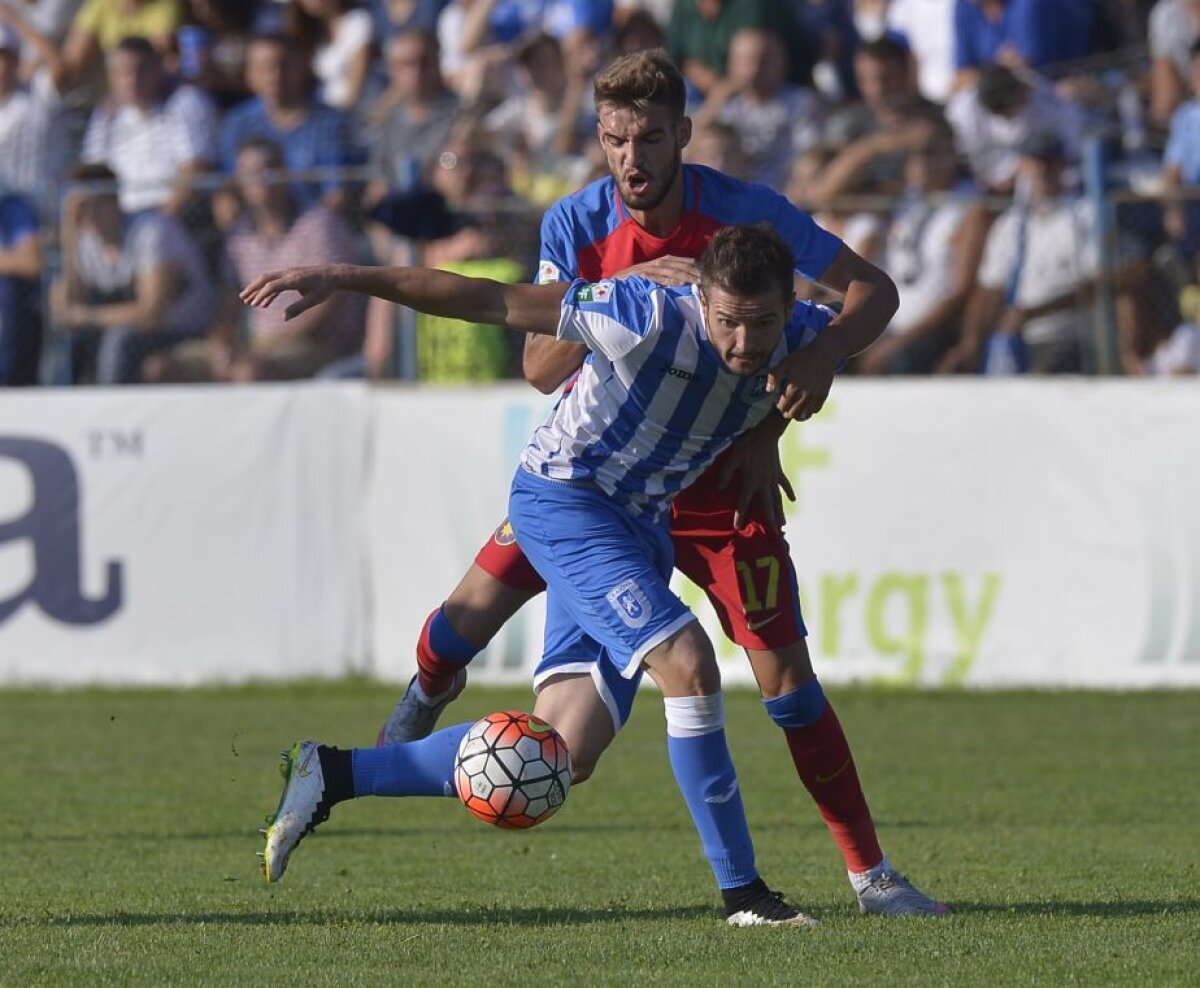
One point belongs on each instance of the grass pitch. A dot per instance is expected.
(1062, 828)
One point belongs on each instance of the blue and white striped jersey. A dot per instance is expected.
(654, 404)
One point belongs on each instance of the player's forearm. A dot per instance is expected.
(547, 363)
(868, 307)
(533, 308)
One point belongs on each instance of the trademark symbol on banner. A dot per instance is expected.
(114, 444)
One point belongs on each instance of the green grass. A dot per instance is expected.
(1062, 828)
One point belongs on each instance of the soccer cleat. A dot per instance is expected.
(301, 807)
(769, 909)
(891, 894)
(415, 716)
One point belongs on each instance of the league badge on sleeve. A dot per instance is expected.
(548, 273)
(600, 292)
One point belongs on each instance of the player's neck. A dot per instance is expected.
(662, 220)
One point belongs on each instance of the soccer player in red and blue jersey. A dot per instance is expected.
(653, 216)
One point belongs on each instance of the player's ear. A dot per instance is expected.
(683, 131)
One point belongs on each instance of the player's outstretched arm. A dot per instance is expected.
(532, 308)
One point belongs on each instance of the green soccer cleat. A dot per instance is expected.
(301, 807)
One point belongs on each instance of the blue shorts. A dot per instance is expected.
(607, 574)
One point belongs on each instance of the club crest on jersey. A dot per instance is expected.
(505, 534)
(548, 273)
(758, 387)
(630, 603)
(601, 291)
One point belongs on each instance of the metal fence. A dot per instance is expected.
(128, 297)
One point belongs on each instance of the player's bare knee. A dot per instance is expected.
(685, 664)
(481, 605)
(781, 670)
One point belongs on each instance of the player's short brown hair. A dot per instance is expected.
(641, 80)
(748, 260)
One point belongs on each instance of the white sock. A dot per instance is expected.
(861, 879)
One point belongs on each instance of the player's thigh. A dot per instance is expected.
(751, 583)
(607, 570)
(575, 707)
(685, 664)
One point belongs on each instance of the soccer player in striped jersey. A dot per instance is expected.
(653, 215)
(676, 375)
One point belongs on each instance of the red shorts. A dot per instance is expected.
(747, 574)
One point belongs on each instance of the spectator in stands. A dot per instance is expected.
(101, 25)
(541, 127)
(1174, 28)
(32, 150)
(862, 230)
(774, 120)
(1181, 166)
(1038, 271)
(134, 285)
(700, 31)
(637, 31)
(411, 121)
(337, 37)
(273, 232)
(875, 132)
(933, 247)
(220, 36)
(20, 291)
(153, 143)
(52, 18)
(927, 27)
(996, 113)
(312, 135)
(718, 146)
(1033, 34)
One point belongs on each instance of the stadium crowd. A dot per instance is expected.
(157, 154)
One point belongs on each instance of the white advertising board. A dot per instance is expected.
(964, 533)
(181, 535)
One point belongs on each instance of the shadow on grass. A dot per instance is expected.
(491, 916)
(1110, 910)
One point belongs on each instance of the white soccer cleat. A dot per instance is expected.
(301, 807)
(769, 909)
(416, 715)
(891, 894)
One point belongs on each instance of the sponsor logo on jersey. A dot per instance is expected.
(630, 604)
(51, 528)
(679, 372)
(505, 534)
(601, 292)
(548, 273)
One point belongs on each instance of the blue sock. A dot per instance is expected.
(417, 768)
(705, 775)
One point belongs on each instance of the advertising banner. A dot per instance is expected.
(946, 533)
(181, 535)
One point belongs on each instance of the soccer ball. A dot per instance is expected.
(512, 771)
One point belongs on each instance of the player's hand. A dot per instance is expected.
(315, 285)
(802, 379)
(669, 271)
(755, 457)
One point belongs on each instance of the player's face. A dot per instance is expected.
(644, 151)
(745, 329)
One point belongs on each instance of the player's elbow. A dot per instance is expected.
(542, 377)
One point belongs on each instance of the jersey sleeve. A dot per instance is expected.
(557, 254)
(813, 246)
(612, 317)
